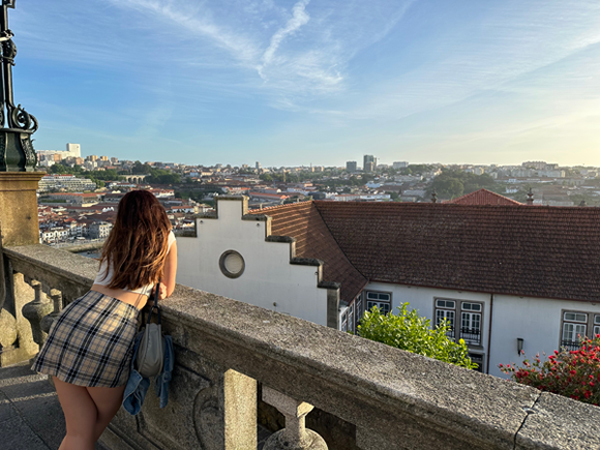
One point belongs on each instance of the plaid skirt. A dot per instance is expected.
(91, 342)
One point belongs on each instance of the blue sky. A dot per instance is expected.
(321, 82)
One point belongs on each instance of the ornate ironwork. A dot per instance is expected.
(27, 146)
(17, 124)
(2, 153)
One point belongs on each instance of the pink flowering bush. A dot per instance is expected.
(574, 374)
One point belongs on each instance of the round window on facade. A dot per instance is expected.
(232, 264)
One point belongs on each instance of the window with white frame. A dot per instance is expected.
(445, 310)
(470, 323)
(465, 318)
(574, 329)
(344, 320)
(351, 318)
(383, 301)
(596, 325)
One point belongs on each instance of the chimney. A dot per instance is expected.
(530, 197)
(583, 203)
(434, 197)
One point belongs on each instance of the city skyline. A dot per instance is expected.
(290, 83)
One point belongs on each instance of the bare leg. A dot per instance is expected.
(80, 415)
(107, 401)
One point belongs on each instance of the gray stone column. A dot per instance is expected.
(19, 293)
(57, 301)
(294, 436)
(36, 310)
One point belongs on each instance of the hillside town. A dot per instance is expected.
(78, 197)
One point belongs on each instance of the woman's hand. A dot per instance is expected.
(162, 291)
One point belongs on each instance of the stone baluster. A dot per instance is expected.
(35, 311)
(294, 436)
(57, 301)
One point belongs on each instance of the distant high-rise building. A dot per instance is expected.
(74, 150)
(351, 166)
(91, 158)
(369, 163)
(104, 158)
(258, 166)
(400, 165)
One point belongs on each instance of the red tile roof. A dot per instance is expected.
(484, 197)
(303, 222)
(549, 252)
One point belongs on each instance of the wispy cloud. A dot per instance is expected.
(299, 18)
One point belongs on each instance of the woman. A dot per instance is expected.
(89, 347)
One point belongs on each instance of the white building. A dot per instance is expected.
(68, 182)
(504, 276)
(72, 151)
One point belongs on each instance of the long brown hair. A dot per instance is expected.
(137, 244)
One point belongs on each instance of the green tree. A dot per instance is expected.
(409, 331)
(163, 176)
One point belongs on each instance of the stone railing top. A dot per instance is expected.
(56, 260)
(378, 388)
(322, 365)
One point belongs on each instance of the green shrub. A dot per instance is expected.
(409, 331)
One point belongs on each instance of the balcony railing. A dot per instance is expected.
(366, 395)
(471, 336)
(570, 345)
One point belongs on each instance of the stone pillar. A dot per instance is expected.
(36, 310)
(57, 301)
(294, 436)
(18, 208)
(18, 226)
(210, 408)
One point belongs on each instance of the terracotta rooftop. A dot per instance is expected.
(549, 252)
(303, 222)
(484, 197)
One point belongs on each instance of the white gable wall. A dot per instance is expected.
(268, 276)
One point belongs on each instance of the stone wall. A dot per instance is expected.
(383, 397)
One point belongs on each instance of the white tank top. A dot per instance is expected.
(144, 290)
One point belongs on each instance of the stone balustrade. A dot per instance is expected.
(228, 354)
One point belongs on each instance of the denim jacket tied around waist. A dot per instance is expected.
(137, 386)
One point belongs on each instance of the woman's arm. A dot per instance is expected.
(167, 284)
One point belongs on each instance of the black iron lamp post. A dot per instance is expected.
(17, 126)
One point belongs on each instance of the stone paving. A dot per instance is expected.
(30, 413)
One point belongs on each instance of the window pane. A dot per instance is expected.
(597, 318)
(580, 331)
(466, 306)
(568, 332)
(450, 317)
(576, 317)
(439, 316)
(385, 297)
(596, 331)
(445, 304)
